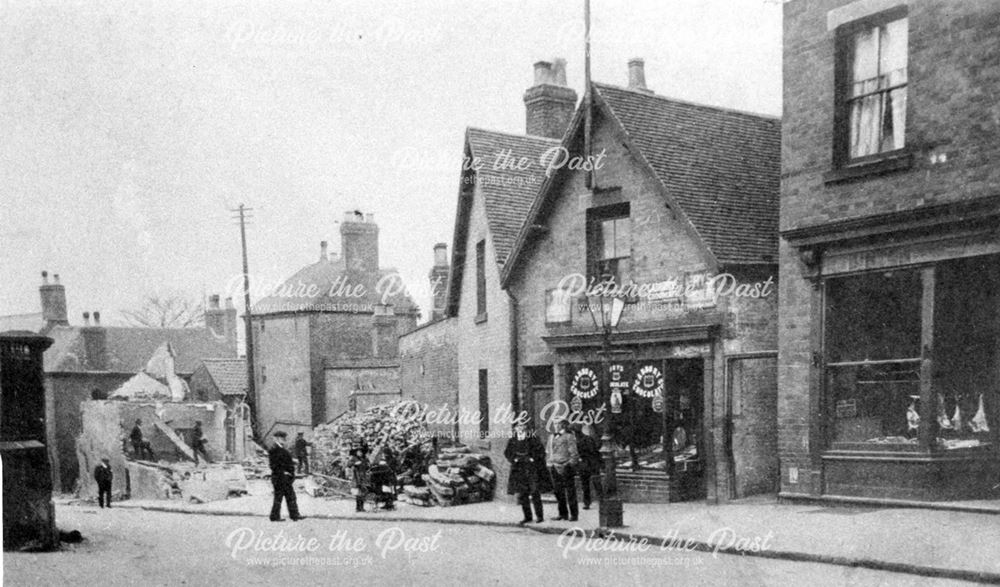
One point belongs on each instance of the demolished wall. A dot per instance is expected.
(106, 425)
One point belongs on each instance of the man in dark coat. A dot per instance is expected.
(198, 443)
(140, 447)
(302, 453)
(528, 475)
(590, 462)
(282, 476)
(104, 475)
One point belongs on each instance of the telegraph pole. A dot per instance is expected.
(248, 339)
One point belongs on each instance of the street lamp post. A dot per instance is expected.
(606, 314)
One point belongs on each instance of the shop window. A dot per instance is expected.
(609, 242)
(873, 334)
(966, 372)
(872, 87)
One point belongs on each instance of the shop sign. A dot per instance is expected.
(648, 382)
(585, 384)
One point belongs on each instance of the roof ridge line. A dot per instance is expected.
(773, 117)
(510, 134)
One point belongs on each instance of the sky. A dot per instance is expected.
(129, 130)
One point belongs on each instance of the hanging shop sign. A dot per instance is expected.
(649, 383)
(585, 384)
(658, 404)
(618, 383)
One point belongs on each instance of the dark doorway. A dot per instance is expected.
(540, 392)
(684, 385)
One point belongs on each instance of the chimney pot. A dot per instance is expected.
(322, 251)
(86, 318)
(213, 301)
(55, 277)
(559, 71)
(543, 72)
(229, 303)
(637, 74)
(45, 277)
(97, 318)
(440, 255)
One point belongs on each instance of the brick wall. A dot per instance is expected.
(428, 367)
(376, 385)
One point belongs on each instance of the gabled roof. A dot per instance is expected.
(128, 349)
(229, 375)
(720, 168)
(507, 193)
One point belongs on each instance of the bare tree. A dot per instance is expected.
(167, 310)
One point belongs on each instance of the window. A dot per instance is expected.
(873, 336)
(481, 279)
(872, 85)
(881, 355)
(484, 404)
(609, 242)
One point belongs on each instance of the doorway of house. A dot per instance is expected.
(751, 432)
(540, 392)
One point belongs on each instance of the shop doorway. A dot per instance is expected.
(751, 431)
(684, 390)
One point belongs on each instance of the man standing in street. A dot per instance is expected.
(282, 476)
(563, 460)
(302, 453)
(104, 475)
(590, 462)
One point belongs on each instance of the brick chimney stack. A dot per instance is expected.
(95, 343)
(439, 281)
(221, 322)
(637, 75)
(549, 104)
(359, 243)
(53, 301)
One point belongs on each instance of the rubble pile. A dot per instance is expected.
(380, 426)
(459, 477)
(256, 465)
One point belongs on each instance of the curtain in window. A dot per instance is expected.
(866, 111)
(892, 67)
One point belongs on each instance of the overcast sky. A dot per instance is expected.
(128, 130)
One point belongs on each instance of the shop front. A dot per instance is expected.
(906, 388)
(651, 398)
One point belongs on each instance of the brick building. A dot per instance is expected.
(91, 361)
(890, 260)
(328, 337)
(682, 193)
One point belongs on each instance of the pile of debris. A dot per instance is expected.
(256, 465)
(198, 484)
(390, 425)
(459, 477)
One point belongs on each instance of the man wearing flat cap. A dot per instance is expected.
(282, 476)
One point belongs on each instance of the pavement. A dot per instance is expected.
(942, 543)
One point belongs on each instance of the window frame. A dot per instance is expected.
(596, 263)
(844, 166)
(481, 281)
(484, 403)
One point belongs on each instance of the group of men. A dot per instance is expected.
(536, 470)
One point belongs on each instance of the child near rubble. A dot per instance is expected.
(104, 475)
(359, 472)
